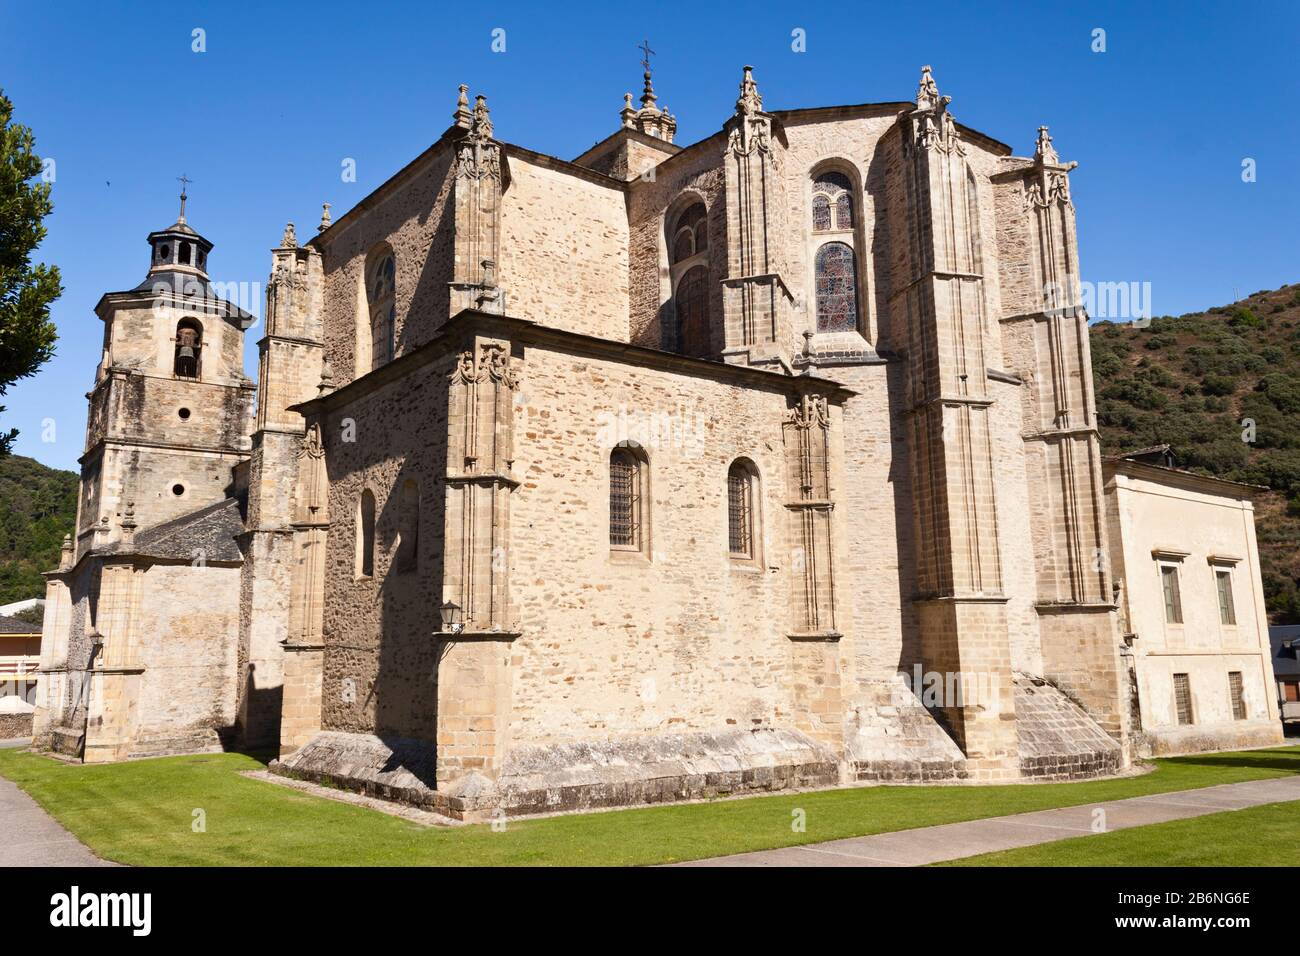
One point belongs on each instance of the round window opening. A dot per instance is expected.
(184, 413)
(163, 251)
(178, 490)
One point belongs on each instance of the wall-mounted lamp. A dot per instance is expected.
(450, 613)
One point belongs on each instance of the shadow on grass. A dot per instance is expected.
(262, 756)
(1286, 759)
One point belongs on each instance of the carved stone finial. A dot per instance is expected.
(751, 128)
(927, 94)
(481, 125)
(1044, 151)
(325, 221)
(290, 238)
(648, 93)
(934, 124)
(628, 112)
(65, 553)
(750, 100)
(463, 116)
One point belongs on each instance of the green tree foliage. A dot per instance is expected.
(1202, 383)
(38, 506)
(27, 334)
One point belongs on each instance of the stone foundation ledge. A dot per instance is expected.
(909, 771)
(1210, 738)
(563, 777)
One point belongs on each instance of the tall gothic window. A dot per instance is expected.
(837, 295)
(832, 191)
(189, 347)
(691, 234)
(627, 498)
(381, 296)
(740, 510)
(692, 301)
(688, 244)
(366, 534)
(835, 261)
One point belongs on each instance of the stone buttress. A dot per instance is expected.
(276, 544)
(1045, 336)
(960, 600)
(756, 299)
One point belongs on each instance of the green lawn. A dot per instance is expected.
(141, 813)
(1259, 836)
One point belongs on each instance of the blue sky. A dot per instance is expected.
(262, 121)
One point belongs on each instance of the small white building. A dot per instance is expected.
(1191, 605)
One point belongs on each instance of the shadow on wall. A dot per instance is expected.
(404, 696)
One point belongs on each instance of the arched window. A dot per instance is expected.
(189, 348)
(692, 300)
(832, 190)
(366, 535)
(381, 294)
(408, 528)
(741, 508)
(690, 235)
(835, 267)
(837, 294)
(628, 486)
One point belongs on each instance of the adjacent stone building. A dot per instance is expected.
(669, 471)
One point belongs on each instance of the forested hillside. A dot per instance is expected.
(38, 506)
(1221, 387)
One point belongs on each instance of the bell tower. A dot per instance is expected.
(171, 410)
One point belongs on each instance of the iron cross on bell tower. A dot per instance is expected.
(184, 181)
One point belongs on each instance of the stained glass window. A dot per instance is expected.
(832, 182)
(844, 211)
(832, 189)
(837, 297)
(821, 213)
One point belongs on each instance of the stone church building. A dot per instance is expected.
(763, 462)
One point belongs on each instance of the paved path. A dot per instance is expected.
(954, 840)
(30, 837)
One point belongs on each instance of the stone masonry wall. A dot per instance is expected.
(379, 668)
(614, 643)
(414, 218)
(564, 251)
(188, 626)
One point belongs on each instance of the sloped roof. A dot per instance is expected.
(210, 531)
(11, 625)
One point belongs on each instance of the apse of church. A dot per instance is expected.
(668, 472)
